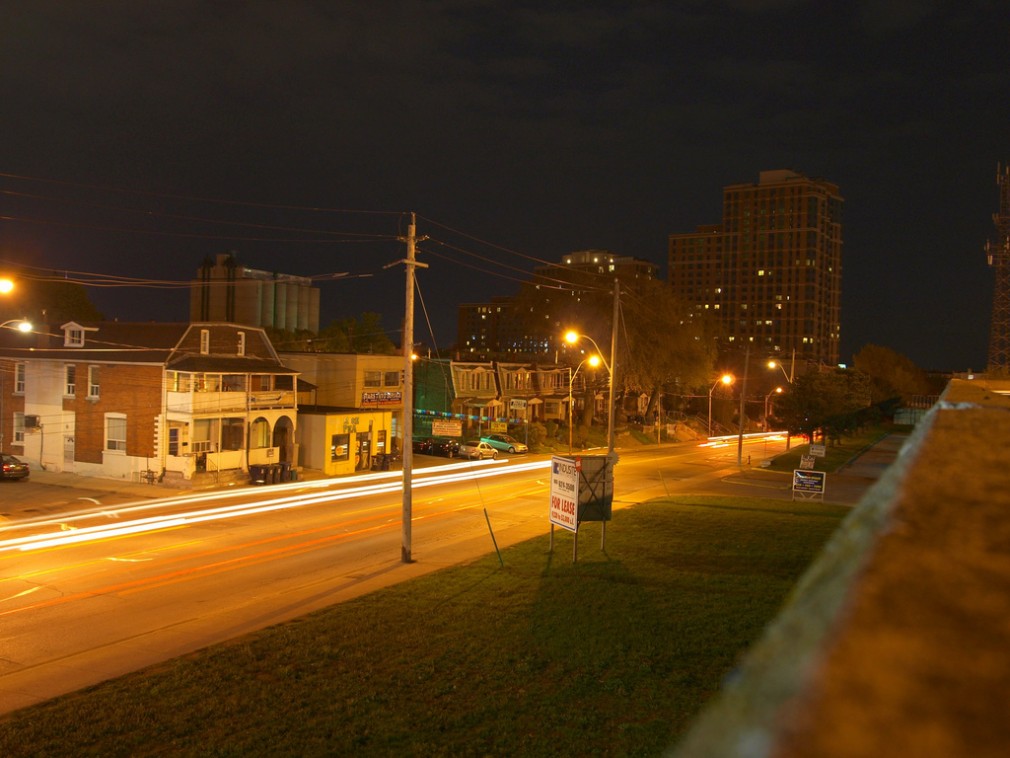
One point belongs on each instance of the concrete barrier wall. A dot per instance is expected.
(897, 639)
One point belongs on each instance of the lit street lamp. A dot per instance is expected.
(592, 360)
(726, 380)
(572, 337)
(779, 366)
(776, 391)
(22, 325)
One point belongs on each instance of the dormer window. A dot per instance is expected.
(74, 337)
(241, 343)
(204, 341)
(73, 334)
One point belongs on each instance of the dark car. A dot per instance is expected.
(423, 445)
(12, 468)
(445, 447)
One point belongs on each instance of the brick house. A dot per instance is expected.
(171, 402)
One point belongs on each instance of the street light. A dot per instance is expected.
(779, 366)
(24, 326)
(726, 380)
(594, 361)
(6, 285)
(776, 391)
(572, 337)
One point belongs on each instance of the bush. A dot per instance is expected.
(552, 429)
(538, 433)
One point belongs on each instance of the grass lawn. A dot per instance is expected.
(836, 454)
(609, 656)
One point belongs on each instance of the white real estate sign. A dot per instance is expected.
(565, 493)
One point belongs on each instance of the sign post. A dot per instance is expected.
(809, 485)
(582, 489)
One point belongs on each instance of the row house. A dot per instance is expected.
(154, 401)
(518, 392)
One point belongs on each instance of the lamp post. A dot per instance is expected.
(726, 380)
(592, 360)
(789, 378)
(19, 324)
(572, 337)
(776, 391)
(779, 366)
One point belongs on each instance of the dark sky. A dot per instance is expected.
(516, 131)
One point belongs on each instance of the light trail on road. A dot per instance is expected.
(443, 475)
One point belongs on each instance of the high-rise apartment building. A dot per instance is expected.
(770, 275)
(503, 328)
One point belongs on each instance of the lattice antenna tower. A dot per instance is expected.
(998, 252)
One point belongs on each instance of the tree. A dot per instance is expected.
(891, 374)
(660, 342)
(831, 402)
(666, 344)
(53, 302)
(362, 335)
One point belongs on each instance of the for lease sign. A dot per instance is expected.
(565, 493)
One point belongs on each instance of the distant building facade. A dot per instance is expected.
(770, 275)
(499, 329)
(226, 291)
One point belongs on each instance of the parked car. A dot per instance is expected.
(422, 445)
(12, 468)
(448, 448)
(505, 442)
(477, 449)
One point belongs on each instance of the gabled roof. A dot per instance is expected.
(176, 346)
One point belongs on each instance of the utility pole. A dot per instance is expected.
(613, 368)
(998, 254)
(743, 407)
(408, 387)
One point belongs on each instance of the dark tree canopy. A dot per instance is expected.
(832, 402)
(892, 375)
(52, 302)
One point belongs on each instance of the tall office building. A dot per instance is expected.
(770, 274)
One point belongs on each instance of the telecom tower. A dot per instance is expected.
(998, 253)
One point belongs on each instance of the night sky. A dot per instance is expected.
(137, 138)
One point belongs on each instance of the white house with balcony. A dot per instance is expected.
(156, 402)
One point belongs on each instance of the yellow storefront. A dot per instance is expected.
(344, 441)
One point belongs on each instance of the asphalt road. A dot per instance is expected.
(95, 583)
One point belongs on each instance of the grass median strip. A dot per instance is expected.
(611, 655)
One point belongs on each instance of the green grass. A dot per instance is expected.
(609, 656)
(836, 455)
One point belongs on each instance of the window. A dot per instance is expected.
(340, 447)
(391, 379)
(373, 378)
(241, 343)
(233, 382)
(204, 341)
(19, 378)
(73, 337)
(173, 440)
(115, 432)
(70, 381)
(19, 428)
(93, 381)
